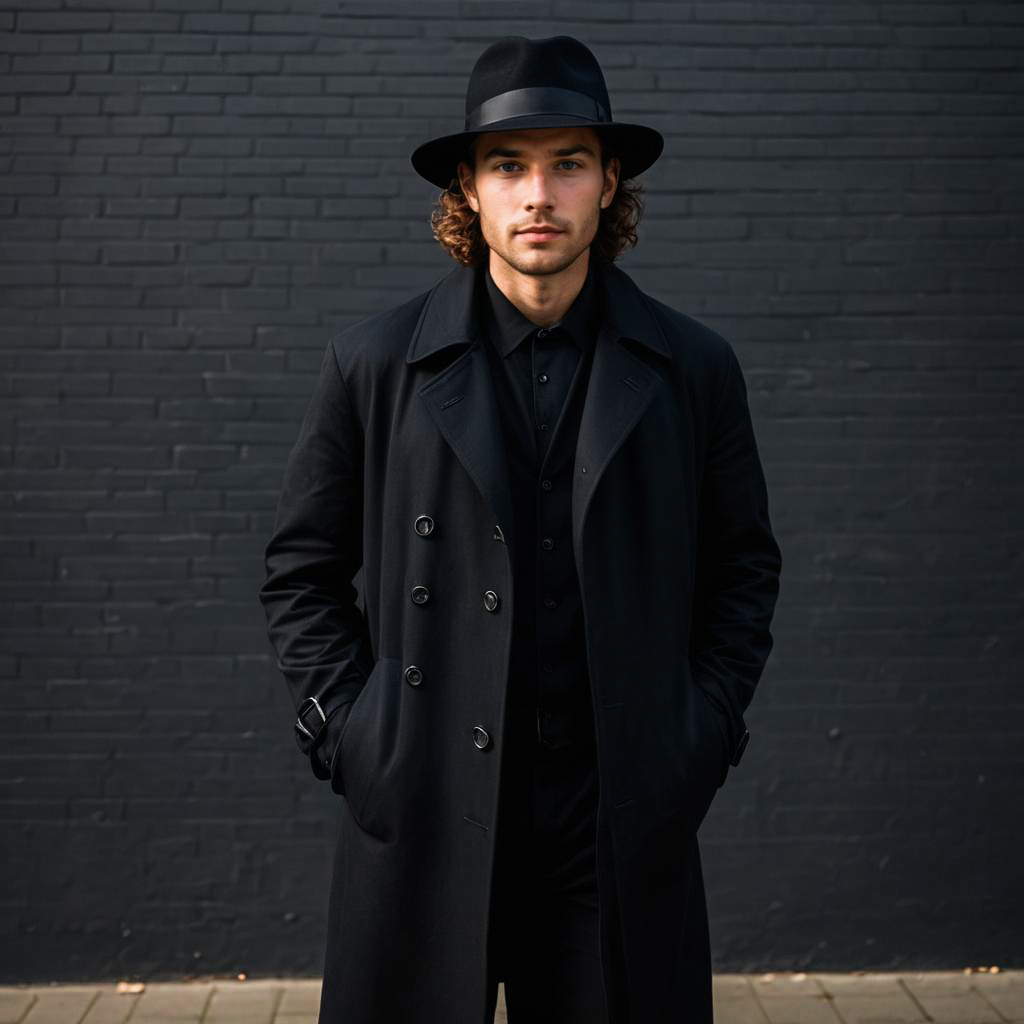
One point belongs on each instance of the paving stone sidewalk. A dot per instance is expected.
(780, 998)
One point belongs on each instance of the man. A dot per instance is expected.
(551, 484)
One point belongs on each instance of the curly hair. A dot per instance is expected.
(456, 225)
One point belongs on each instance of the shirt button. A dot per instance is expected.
(550, 602)
(413, 675)
(424, 525)
(420, 595)
(548, 667)
(547, 543)
(481, 737)
(542, 377)
(491, 600)
(546, 484)
(543, 332)
(543, 426)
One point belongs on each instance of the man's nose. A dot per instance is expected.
(539, 192)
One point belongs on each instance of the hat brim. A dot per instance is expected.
(637, 145)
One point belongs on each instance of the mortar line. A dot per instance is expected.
(757, 1000)
(136, 997)
(28, 1009)
(278, 1000)
(206, 1006)
(913, 998)
(829, 998)
(995, 1009)
(92, 1003)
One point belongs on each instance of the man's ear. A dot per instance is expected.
(611, 182)
(468, 190)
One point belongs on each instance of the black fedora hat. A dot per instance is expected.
(520, 83)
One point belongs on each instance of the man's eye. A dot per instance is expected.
(507, 164)
(575, 162)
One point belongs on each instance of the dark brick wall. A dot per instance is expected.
(197, 192)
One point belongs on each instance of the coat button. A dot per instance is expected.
(481, 737)
(547, 543)
(491, 600)
(420, 595)
(413, 675)
(424, 525)
(546, 484)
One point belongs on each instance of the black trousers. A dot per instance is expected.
(545, 943)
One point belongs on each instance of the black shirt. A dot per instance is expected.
(540, 380)
(549, 777)
(549, 789)
(540, 362)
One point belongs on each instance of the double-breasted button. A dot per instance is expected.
(424, 526)
(547, 543)
(491, 600)
(413, 675)
(481, 737)
(420, 595)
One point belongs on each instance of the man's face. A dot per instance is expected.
(549, 177)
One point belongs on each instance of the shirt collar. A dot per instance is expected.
(508, 327)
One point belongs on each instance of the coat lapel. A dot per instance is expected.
(622, 386)
(461, 400)
(461, 396)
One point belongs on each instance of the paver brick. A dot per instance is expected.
(951, 1000)
(871, 999)
(793, 999)
(1005, 991)
(111, 1007)
(13, 1005)
(243, 1004)
(59, 1005)
(173, 1003)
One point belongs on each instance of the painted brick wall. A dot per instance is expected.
(197, 192)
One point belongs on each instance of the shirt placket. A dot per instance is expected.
(554, 362)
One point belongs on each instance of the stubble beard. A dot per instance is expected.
(514, 259)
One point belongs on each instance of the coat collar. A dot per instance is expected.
(460, 396)
(448, 316)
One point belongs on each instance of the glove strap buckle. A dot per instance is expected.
(306, 723)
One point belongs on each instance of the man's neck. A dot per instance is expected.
(542, 298)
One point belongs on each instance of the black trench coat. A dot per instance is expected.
(679, 573)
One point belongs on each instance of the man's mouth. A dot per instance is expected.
(539, 233)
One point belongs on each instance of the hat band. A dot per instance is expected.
(536, 100)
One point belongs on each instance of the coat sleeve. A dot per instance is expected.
(738, 559)
(317, 629)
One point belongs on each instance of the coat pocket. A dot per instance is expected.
(369, 745)
(717, 718)
(706, 753)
